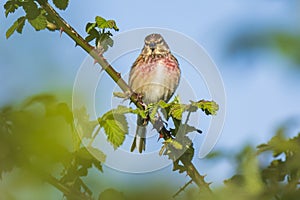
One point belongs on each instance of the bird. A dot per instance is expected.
(155, 76)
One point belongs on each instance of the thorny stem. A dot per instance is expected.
(66, 190)
(191, 170)
(183, 188)
(70, 31)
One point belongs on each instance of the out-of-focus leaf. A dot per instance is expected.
(112, 25)
(39, 23)
(111, 194)
(115, 126)
(61, 4)
(84, 124)
(89, 27)
(209, 107)
(176, 111)
(100, 21)
(99, 155)
(17, 26)
(31, 9)
(10, 7)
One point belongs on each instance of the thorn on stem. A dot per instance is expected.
(61, 30)
(199, 131)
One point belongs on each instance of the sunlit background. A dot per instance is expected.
(255, 45)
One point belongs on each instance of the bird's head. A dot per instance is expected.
(155, 44)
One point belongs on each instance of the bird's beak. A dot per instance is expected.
(152, 46)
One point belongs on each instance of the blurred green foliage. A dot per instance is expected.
(284, 43)
(38, 137)
(38, 143)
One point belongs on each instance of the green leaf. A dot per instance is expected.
(121, 95)
(188, 129)
(61, 4)
(31, 9)
(39, 23)
(17, 26)
(115, 126)
(10, 7)
(44, 99)
(21, 22)
(174, 143)
(85, 125)
(122, 110)
(176, 111)
(153, 111)
(209, 107)
(111, 194)
(112, 25)
(140, 112)
(89, 27)
(103, 23)
(100, 21)
(99, 155)
(89, 153)
(93, 33)
(104, 41)
(89, 38)
(163, 104)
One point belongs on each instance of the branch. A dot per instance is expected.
(116, 76)
(72, 194)
(182, 189)
(67, 191)
(160, 127)
(191, 170)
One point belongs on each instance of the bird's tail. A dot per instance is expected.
(139, 141)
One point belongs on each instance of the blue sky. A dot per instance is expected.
(262, 91)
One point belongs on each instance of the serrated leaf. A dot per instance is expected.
(17, 26)
(31, 9)
(115, 126)
(61, 4)
(21, 22)
(177, 166)
(86, 126)
(163, 104)
(188, 128)
(104, 41)
(99, 21)
(121, 95)
(39, 23)
(122, 110)
(89, 27)
(10, 7)
(99, 155)
(153, 111)
(111, 194)
(209, 107)
(140, 112)
(176, 111)
(89, 38)
(112, 25)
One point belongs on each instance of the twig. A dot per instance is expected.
(70, 31)
(182, 189)
(191, 170)
(94, 136)
(194, 174)
(72, 194)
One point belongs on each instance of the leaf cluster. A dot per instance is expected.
(100, 32)
(38, 136)
(34, 14)
(276, 176)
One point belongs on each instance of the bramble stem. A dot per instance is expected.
(191, 170)
(70, 31)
